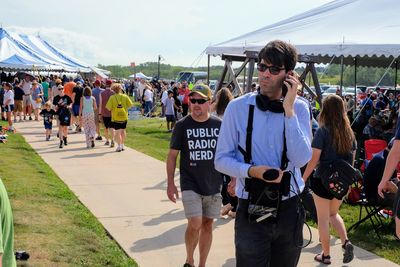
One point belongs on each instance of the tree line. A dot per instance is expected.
(328, 74)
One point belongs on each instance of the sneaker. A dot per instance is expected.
(92, 144)
(348, 254)
(112, 144)
(99, 138)
(118, 149)
(107, 143)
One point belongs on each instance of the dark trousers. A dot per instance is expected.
(185, 109)
(266, 244)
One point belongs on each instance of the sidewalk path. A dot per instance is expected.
(127, 193)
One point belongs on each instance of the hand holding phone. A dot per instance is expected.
(291, 83)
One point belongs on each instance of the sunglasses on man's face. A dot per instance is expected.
(274, 70)
(198, 101)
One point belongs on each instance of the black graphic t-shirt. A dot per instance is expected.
(61, 102)
(47, 115)
(197, 142)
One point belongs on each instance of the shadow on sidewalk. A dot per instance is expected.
(172, 215)
(172, 237)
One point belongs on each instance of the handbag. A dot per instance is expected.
(337, 176)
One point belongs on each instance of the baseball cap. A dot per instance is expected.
(108, 82)
(97, 83)
(202, 90)
(58, 81)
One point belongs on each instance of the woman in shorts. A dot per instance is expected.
(118, 104)
(333, 140)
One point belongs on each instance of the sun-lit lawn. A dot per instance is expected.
(150, 137)
(50, 222)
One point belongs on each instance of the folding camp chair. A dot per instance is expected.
(370, 204)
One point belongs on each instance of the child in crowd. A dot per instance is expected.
(48, 114)
(170, 106)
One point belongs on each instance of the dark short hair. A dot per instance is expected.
(279, 53)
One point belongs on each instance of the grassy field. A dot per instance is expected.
(150, 137)
(50, 222)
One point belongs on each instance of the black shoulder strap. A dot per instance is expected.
(249, 134)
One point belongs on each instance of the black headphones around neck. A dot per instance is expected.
(264, 103)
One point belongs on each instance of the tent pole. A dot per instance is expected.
(395, 78)
(208, 69)
(244, 78)
(250, 75)
(341, 74)
(355, 85)
(223, 75)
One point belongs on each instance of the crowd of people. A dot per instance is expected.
(73, 104)
(253, 157)
(260, 152)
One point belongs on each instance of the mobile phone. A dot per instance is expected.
(284, 87)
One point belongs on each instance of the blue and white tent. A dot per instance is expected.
(51, 54)
(28, 52)
(14, 55)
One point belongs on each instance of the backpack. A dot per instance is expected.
(120, 114)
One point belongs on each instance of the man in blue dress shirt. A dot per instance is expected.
(279, 118)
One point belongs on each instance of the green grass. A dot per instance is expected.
(149, 136)
(50, 222)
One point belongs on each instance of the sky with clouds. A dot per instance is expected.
(124, 31)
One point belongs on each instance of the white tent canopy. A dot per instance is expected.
(140, 75)
(366, 29)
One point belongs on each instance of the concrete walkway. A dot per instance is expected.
(127, 193)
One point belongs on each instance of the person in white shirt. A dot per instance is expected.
(8, 103)
(26, 86)
(148, 101)
(164, 96)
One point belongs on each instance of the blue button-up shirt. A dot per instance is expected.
(267, 141)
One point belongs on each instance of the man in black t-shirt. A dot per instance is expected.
(77, 93)
(62, 103)
(195, 137)
(18, 100)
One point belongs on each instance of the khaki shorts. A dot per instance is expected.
(27, 100)
(196, 205)
(18, 105)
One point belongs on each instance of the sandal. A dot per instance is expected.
(323, 259)
(348, 254)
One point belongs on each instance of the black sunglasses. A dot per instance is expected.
(198, 101)
(274, 70)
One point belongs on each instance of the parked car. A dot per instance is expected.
(330, 91)
(350, 91)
